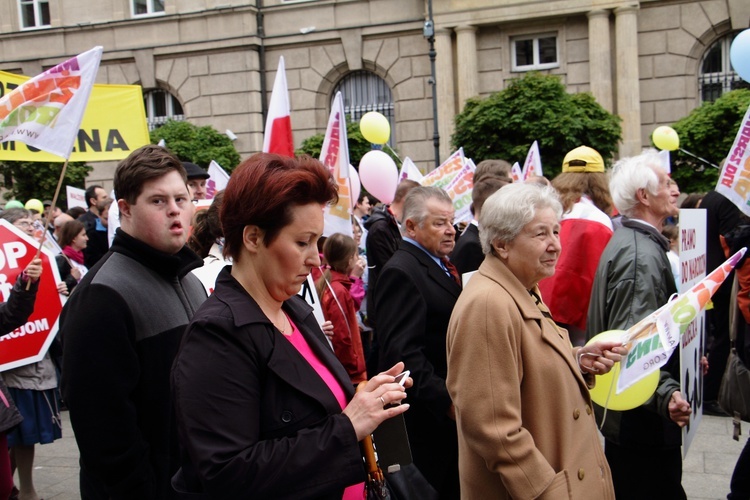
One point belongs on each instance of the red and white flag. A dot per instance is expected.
(533, 163)
(335, 155)
(46, 111)
(278, 134)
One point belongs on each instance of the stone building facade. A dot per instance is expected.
(218, 58)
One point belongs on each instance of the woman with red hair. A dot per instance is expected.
(264, 408)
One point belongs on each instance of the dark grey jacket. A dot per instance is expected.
(633, 280)
(121, 329)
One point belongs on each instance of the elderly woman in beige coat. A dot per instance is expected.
(526, 428)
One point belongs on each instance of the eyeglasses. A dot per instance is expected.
(23, 224)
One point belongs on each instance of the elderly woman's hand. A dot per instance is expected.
(371, 405)
(599, 357)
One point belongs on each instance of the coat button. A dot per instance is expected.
(286, 416)
(576, 413)
(588, 410)
(581, 473)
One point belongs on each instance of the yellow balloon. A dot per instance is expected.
(375, 127)
(34, 204)
(604, 392)
(666, 138)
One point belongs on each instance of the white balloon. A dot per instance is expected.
(379, 175)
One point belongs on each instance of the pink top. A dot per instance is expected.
(354, 492)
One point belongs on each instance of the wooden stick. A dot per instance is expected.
(51, 210)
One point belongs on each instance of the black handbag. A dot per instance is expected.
(734, 393)
(401, 481)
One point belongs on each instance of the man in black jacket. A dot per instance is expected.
(415, 298)
(121, 330)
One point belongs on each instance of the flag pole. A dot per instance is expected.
(51, 210)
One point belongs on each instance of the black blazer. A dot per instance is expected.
(254, 418)
(467, 256)
(416, 297)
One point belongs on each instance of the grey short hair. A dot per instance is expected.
(631, 174)
(415, 203)
(509, 209)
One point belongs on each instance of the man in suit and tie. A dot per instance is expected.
(468, 255)
(416, 292)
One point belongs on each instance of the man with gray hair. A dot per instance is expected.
(634, 279)
(416, 292)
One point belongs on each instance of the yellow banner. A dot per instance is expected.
(114, 124)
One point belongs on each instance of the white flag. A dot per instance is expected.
(217, 180)
(533, 163)
(515, 173)
(410, 171)
(46, 111)
(335, 155)
(734, 179)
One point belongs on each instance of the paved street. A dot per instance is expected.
(708, 466)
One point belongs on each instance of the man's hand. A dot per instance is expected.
(679, 409)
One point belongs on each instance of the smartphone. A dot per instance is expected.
(401, 377)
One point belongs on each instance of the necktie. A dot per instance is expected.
(451, 270)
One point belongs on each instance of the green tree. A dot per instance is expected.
(708, 131)
(535, 107)
(27, 179)
(198, 145)
(358, 145)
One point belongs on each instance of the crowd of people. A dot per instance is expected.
(192, 368)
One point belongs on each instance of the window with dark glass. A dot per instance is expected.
(34, 13)
(716, 73)
(160, 107)
(534, 52)
(147, 7)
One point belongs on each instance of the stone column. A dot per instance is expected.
(628, 89)
(600, 57)
(466, 59)
(446, 101)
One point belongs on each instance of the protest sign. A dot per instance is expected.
(443, 175)
(29, 342)
(76, 197)
(692, 242)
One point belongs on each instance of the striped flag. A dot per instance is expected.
(278, 134)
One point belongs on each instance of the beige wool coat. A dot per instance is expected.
(526, 428)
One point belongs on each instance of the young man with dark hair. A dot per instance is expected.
(121, 330)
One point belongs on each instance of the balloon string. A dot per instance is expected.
(394, 153)
(700, 159)
(606, 402)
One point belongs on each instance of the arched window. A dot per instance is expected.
(716, 73)
(364, 91)
(160, 107)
